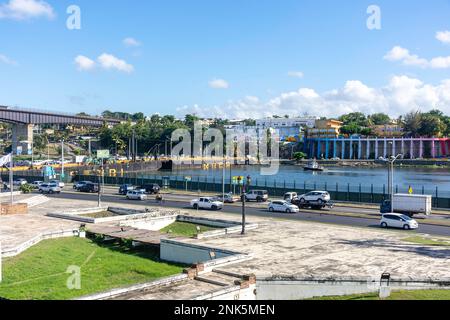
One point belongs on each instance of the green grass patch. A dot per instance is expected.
(428, 242)
(185, 229)
(397, 295)
(40, 272)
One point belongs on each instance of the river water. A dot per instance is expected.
(420, 179)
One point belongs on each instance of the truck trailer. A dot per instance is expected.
(408, 204)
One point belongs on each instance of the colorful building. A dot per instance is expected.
(374, 148)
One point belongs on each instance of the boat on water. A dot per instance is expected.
(313, 166)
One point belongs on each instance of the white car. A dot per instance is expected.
(136, 195)
(400, 221)
(58, 183)
(207, 203)
(37, 184)
(283, 206)
(290, 196)
(229, 198)
(257, 195)
(20, 182)
(49, 188)
(315, 196)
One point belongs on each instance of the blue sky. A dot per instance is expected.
(250, 45)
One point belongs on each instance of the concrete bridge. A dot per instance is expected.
(373, 148)
(23, 121)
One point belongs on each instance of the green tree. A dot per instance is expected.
(379, 119)
(355, 118)
(412, 123)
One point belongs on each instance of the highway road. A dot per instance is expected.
(260, 210)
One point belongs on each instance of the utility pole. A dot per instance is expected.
(243, 197)
(62, 160)
(11, 179)
(100, 183)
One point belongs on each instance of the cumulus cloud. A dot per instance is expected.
(131, 42)
(399, 54)
(401, 95)
(296, 74)
(443, 36)
(6, 60)
(110, 62)
(26, 9)
(84, 63)
(219, 84)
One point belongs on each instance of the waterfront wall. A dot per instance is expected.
(373, 148)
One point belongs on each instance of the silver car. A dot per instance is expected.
(136, 195)
(49, 188)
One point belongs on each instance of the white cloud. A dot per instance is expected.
(108, 61)
(26, 9)
(296, 74)
(6, 60)
(443, 36)
(219, 84)
(401, 95)
(399, 54)
(131, 42)
(84, 63)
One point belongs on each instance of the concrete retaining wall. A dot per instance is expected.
(12, 252)
(150, 223)
(293, 288)
(145, 286)
(234, 293)
(186, 253)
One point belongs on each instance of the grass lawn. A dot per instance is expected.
(184, 229)
(428, 242)
(40, 272)
(397, 295)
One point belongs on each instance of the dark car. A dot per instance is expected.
(123, 189)
(150, 188)
(89, 188)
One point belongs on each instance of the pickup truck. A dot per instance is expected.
(408, 204)
(257, 195)
(207, 203)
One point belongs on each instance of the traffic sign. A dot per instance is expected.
(103, 154)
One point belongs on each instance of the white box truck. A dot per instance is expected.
(409, 204)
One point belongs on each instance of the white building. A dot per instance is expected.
(279, 123)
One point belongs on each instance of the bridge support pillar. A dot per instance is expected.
(22, 138)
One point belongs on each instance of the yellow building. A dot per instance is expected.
(388, 131)
(323, 129)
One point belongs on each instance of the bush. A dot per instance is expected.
(299, 156)
(26, 188)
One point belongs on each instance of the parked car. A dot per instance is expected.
(79, 184)
(49, 188)
(89, 188)
(257, 195)
(136, 195)
(283, 206)
(37, 184)
(315, 196)
(208, 203)
(400, 221)
(59, 183)
(150, 188)
(123, 189)
(20, 182)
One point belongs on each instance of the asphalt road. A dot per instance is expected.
(260, 211)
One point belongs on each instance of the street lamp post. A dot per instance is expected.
(391, 161)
